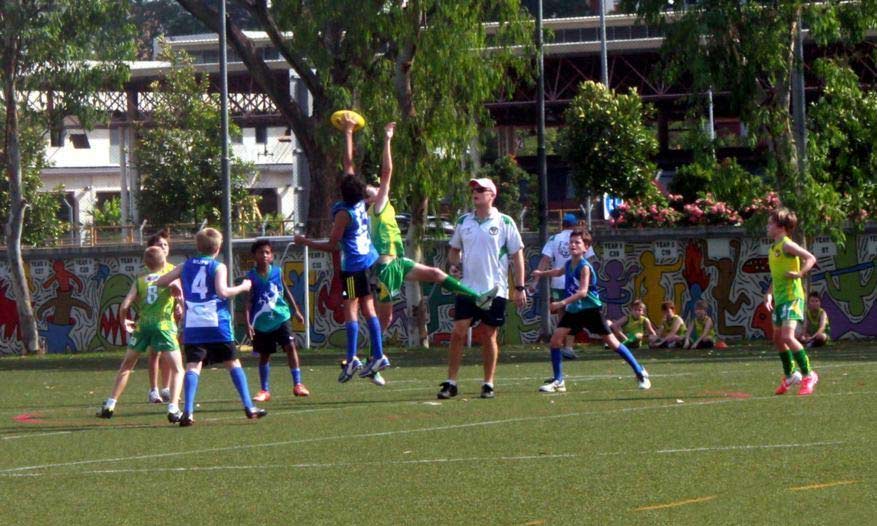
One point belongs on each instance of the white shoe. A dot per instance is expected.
(555, 386)
(377, 379)
(644, 382)
(795, 378)
(165, 395)
(154, 397)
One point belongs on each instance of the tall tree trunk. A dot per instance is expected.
(782, 135)
(418, 319)
(15, 221)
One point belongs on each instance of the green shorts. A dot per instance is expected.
(791, 311)
(391, 276)
(160, 340)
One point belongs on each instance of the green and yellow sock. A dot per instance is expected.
(454, 285)
(788, 364)
(803, 361)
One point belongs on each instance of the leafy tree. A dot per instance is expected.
(72, 48)
(109, 213)
(843, 126)
(509, 178)
(426, 64)
(179, 152)
(606, 143)
(746, 49)
(41, 224)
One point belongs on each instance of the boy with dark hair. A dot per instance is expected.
(817, 326)
(207, 332)
(672, 331)
(785, 298)
(268, 315)
(701, 333)
(582, 309)
(155, 331)
(350, 228)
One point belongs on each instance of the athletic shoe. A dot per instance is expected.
(105, 412)
(487, 391)
(348, 369)
(174, 418)
(448, 391)
(165, 395)
(186, 420)
(485, 300)
(374, 366)
(262, 396)
(299, 390)
(569, 353)
(377, 379)
(554, 386)
(642, 380)
(255, 413)
(786, 383)
(154, 397)
(808, 383)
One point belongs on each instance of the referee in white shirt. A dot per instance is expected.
(486, 241)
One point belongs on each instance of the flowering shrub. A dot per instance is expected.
(761, 206)
(636, 214)
(704, 211)
(707, 211)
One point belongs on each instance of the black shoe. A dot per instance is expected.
(186, 420)
(487, 391)
(174, 418)
(255, 413)
(448, 391)
(105, 412)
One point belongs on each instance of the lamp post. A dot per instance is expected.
(226, 176)
(543, 170)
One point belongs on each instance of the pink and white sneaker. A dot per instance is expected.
(786, 383)
(808, 383)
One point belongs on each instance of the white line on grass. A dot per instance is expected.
(748, 446)
(334, 464)
(378, 434)
(31, 435)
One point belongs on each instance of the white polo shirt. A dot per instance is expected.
(487, 245)
(557, 249)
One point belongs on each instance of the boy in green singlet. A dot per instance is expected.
(155, 329)
(393, 268)
(785, 298)
(817, 326)
(672, 331)
(701, 333)
(635, 328)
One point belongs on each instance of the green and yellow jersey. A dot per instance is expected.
(385, 233)
(785, 289)
(155, 305)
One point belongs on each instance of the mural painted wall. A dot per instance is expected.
(77, 293)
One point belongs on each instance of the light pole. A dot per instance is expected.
(226, 176)
(543, 170)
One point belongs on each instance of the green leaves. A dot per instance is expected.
(179, 154)
(606, 143)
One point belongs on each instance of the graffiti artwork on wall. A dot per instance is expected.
(77, 298)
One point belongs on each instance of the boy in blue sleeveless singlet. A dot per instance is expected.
(268, 313)
(581, 308)
(207, 323)
(350, 229)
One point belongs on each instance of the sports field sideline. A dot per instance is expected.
(708, 444)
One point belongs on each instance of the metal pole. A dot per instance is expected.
(307, 288)
(226, 177)
(543, 172)
(604, 55)
(712, 118)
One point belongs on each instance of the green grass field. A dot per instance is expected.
(708, 444)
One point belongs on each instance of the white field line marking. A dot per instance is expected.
(378, 434)
(749, 446)
(335, 464)
(30, 435)
(824, 485)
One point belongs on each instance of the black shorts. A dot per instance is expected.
(267, 342)
(591, 319)
(355, 284)
(209, 353)
(465, 309)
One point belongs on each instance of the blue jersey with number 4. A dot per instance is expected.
(208, 319)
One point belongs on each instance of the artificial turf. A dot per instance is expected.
(708, 444)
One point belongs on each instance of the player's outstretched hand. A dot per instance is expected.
(389, 129)
(251, 332)
(348, 123)
(768, 302)
(128, 325)
(299, 317)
